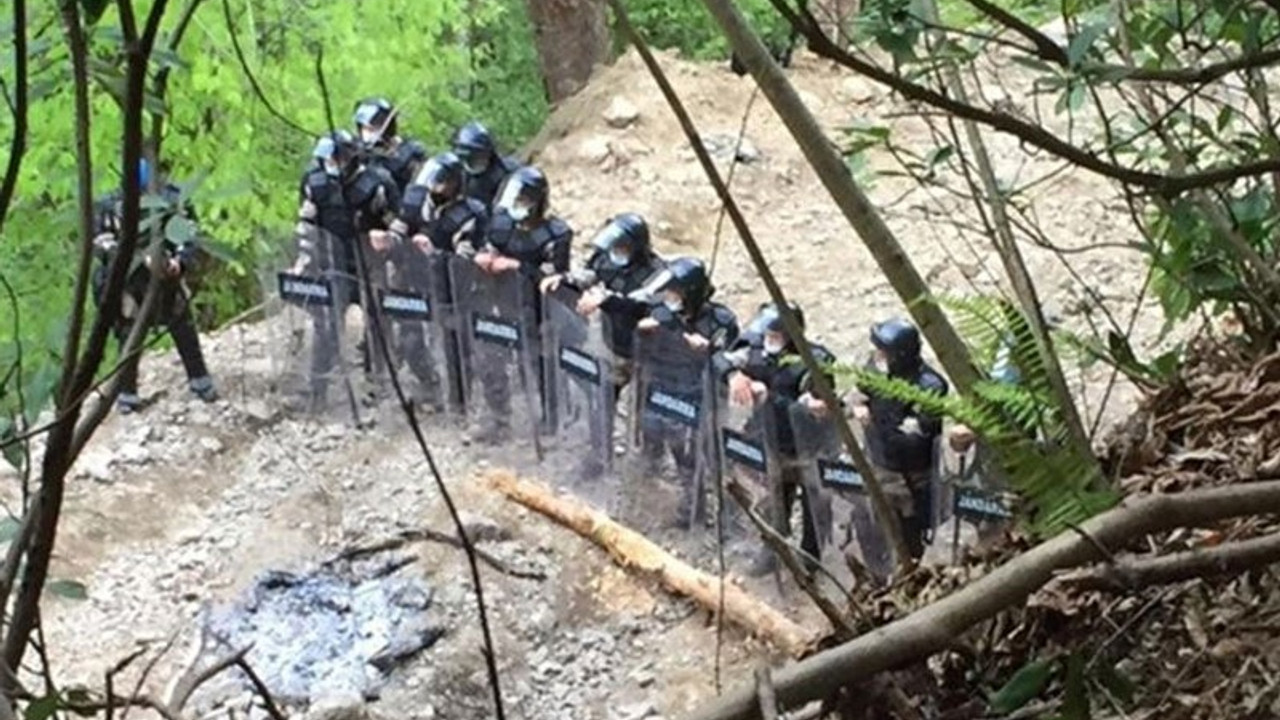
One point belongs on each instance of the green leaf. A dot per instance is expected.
(1023, 687)
(1083, 42)
(9, 529)
(1116, 682)
(41, 708)
(1075, 697)
(69, 589)
(1225, 116)
(180, 230)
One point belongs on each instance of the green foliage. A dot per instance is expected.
(1058, 487)
(1072, 678)
(686, 26)
(442, 61)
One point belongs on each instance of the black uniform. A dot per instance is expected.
(543, 250)
(174, 311)
(457, 223)
(484, 186)
(786, 379)
(908, 455)
(401, 158)
(719, 326)
(623, 310)
(336, 214)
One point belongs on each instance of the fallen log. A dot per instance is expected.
(936, 626)
(636, 552)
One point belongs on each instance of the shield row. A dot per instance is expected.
(633, 420)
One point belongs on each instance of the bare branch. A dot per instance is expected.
(1046, 48)
(261, 688)
(253, 80)
(934, 627)
(1166, 185)
(1134, 573)
(764, 690)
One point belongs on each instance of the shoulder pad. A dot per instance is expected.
(821, 353)
(931, 380)
(415, 196)
(558, 228)
(476, 207)
(315, 179)
(414, 150)
(509, 163)
(723, 315)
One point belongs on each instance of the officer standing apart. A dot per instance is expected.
(525, 240)
(901, 443)
(486, 169)
(341, 199)
(435, 220)
(377, 121)
(621, 261)
(174, 263)
(768, 375)
(707, 328)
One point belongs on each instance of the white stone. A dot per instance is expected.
(621, 113)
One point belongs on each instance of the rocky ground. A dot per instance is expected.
(186, 504)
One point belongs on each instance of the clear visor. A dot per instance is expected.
(325, 148)
(513, 193)
(611, 238)
(657, 284)
(365, 115)
(433, 175)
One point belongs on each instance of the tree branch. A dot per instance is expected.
(1046, 47)
(1131, 573)
(1162, 184)
(160, 84)
(18, 145)
(936, 626)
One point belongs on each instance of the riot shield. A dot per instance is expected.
(576, 370)
(815, 459)
(750, 459)
(502, 342)
(977, 502)
(311, 341)
(417, 311)
(671, 414)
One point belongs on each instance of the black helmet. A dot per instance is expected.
(442, 176)
(771, 320)
(527, 183)
(376, 113)
(473, 143)
(900, 340)
(339, 146)
(627, 229)
(687, 276)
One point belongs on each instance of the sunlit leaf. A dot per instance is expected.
(69, 589)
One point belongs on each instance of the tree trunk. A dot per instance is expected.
(571, 37)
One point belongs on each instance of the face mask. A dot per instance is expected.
(675, 305)
(773, 347)
(619, 259)
(519, 213)
(332, 170)
(370, 137)
(475, 168)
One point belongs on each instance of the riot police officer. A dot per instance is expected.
(707, 328)
(767, 374)
(901, 442)
(622, 260)
(342, 200)
(486, 169)
(174, 262)
(377, 121)
(525, 239)
(435, 219)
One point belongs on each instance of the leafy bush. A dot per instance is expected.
(686, 26)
